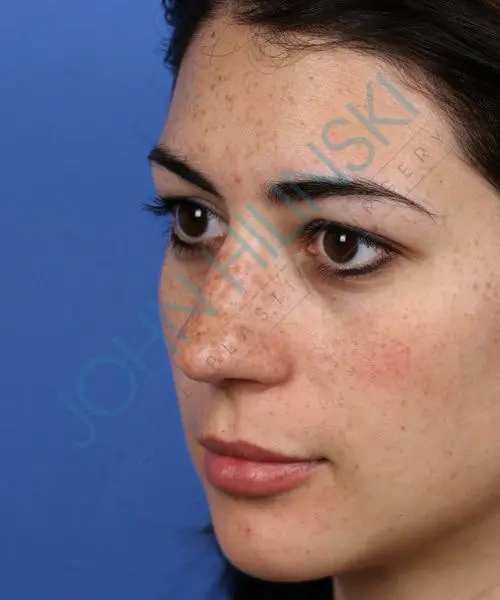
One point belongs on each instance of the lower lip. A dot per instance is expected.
(240, 477)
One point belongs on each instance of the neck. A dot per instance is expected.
(464, 566)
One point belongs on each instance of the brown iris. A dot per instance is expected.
(340, 245)
(192, 219)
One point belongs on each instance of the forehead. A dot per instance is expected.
(244, 104)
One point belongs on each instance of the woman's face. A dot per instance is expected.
(390, 377)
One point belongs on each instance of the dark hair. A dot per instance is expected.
(448, 50)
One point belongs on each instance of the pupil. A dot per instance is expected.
(192, 220)
(340, 245)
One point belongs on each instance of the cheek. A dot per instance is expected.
(382, 362)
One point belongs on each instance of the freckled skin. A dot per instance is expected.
(394, 379)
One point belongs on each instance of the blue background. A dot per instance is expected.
(98, 498)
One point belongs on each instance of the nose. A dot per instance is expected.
(233, 340)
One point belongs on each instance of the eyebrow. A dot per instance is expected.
(286, 192)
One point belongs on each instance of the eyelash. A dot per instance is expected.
(309, 233)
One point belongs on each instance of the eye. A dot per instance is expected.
(195, 224)
(346, 248)
(341, 251)
(192, 225)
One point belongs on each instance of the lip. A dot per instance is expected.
(246, 470)
(245, 450)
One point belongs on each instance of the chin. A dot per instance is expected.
(272, 562)
(265, 540)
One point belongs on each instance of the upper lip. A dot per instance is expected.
(248, 451)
